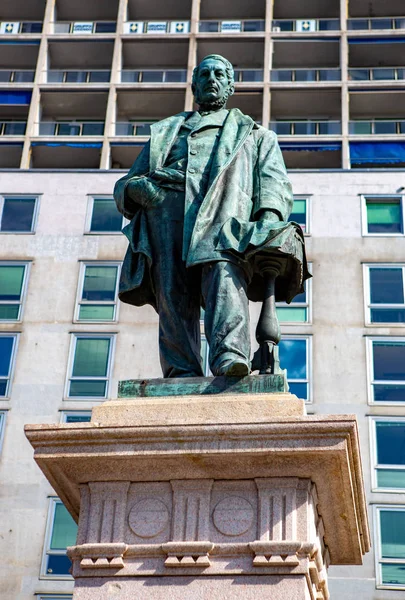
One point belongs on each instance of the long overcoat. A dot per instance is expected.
(247, 175)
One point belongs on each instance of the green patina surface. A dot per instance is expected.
(202, 386)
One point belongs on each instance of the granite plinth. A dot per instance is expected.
(205, 496)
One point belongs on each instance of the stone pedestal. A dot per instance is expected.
(231, 496)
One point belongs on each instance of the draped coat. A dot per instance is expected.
(247, 175)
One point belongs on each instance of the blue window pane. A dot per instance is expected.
(6, 348)
(78, 418)
(58, 564)
(31, 28)
(392, 533)
(387, 315)
(281, 75)
(105, 27)
(87, 389)
(93, 129)
(99, 76)
(389, 361)
(105, 216)
(293, 357)
(76, 76)
(299, 389)
(253, 26)
(305, 75)
(393, 574)
(390, 443)
(386, 286)
(389, 393)
(3, 387)
(17, 214)
(209, 26)
(152, 76)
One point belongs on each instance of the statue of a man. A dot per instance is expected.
(205, 196)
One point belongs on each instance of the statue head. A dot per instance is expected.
(213, 82)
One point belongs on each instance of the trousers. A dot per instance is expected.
(219, 286)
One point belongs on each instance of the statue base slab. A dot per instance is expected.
(225, 496)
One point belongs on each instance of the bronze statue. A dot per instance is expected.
(209, 199)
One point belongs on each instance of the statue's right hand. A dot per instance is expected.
(144, 192)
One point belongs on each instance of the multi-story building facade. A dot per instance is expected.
(80, 83)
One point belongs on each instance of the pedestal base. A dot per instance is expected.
(196, 497)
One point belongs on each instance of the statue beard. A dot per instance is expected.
(214, 105)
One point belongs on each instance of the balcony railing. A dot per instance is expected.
(306, 25)
(377, 127)
(13, 127)
(154, 76)
(17, 76)
(14, 27)
(94, 76)
(360, 24)
(378, 74)
(156, 27)
(85, 28)
(136, 128)
(234, 26)
(248, 75)
(302, 75)
(50, 128)
(318, 127)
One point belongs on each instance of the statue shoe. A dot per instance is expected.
(234, 368)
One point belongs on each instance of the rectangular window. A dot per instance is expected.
(300, 213)
(8, 347)
(77, 416)
(295, 357)
(387, 369)
(98, 289)
(61, 531)
(90, 366)
(388, 435)
(385, 294)
(53, 597)
(18, 214)
(103, 216)
(390, 525)
(204, 356)
(13, 277)
(383, 215)
(298, 311)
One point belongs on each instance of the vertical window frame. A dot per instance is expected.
(3, 418)
(309, 378)
(370, 369)
(82, 271)
(74, 337)
(307, 305)
(373, 420)
(379, 561)
(376, 197)
(34, 221)
(53, 501)
(308, 211)
(13, 356)
(89, 216)
(27, 267)
(367, 294)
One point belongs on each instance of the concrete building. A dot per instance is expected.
(80, 83)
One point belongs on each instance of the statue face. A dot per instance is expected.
(212, 83)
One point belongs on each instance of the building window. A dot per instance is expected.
(385, 293)
(53, 597)
(300, 213)
(298, 311)
(98, 289)
(205, 349)
(2, 426)
(387, 369)
(103, 216)
(61, 531)
(383, 215)
(295, 357)
(388, 437)
(77, 416)
(390, 523)
(8, 347)
(13, 278)
(18, 214)
(91, 359)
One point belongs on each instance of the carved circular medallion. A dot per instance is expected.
(148, 517)
(233, 516)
